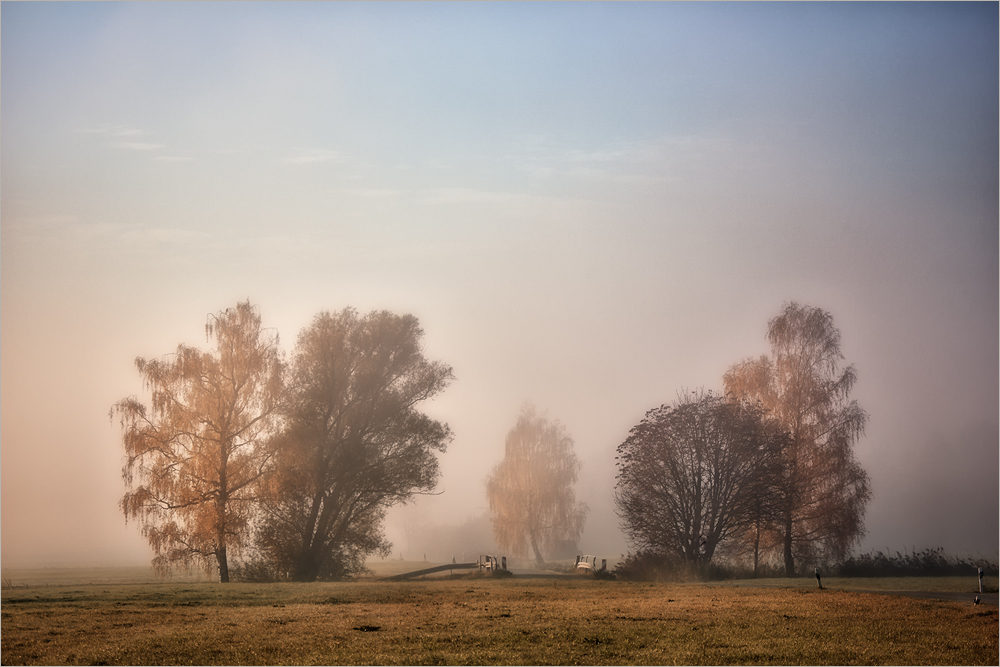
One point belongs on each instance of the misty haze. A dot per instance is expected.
(575, 222)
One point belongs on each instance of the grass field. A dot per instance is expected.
(485, 621)
(968, 584)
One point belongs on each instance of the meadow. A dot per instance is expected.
(484, 620)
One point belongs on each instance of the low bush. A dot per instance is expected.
(646, 566)
(254, 571)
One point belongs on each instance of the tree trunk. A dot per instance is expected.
(791, 498)
(789, 560)
(220, 555)
(220, 536)
(305, 572)
(306, 566)
(220, 512)
(756, 548)
(709, 551)
(534, 547)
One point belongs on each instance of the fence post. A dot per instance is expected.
(980, 580)
(818, 580)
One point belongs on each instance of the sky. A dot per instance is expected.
(590, 206)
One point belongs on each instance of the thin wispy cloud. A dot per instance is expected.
(113, 130)
(453, 196)
(373, 193)
(314, 156)
(169, 236)
(173, 158)
(51, 220)
(79, 229)
(123, 132)
(138, 145)
(651, 161)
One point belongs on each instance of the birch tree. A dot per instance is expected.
(823, 490)
(194, 454)
(531, 492)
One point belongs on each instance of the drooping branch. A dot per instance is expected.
(186, 484)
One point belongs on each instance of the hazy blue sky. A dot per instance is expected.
(591, 206)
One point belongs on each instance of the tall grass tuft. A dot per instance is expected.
(926, 563)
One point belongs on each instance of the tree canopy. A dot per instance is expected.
(354, 442)
(531, 492)
(823, 489)
(230, 459)
(237, 453)
(693, 473)
(193, 456)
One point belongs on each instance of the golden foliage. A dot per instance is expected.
(193, 455)
(824, 489)
(531, 491)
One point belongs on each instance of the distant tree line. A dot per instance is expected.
(766, 470)
(287, 466)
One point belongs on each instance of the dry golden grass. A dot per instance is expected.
(485, 621)
(969, 584)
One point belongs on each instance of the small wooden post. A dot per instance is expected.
(503, 560)
(818, 580)
(980, 580)
(604, 565)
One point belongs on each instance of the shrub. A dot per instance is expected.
(645, 566)
(255, 571)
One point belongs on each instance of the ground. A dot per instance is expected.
(483, 620)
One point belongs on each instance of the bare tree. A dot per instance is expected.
(824, 490)
(693, 473)
(193, 456)
(531, 491)
(354, 442)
